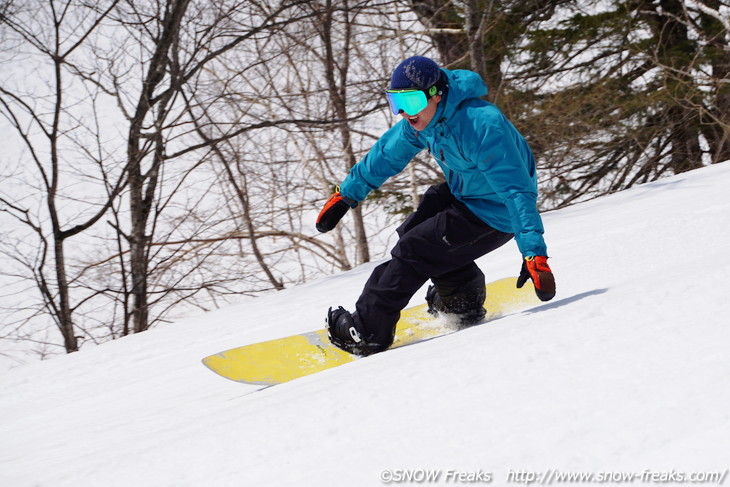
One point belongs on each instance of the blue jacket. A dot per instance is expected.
(487, 163)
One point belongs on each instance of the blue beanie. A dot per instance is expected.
(415, 72)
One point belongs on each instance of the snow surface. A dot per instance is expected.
(626, 370)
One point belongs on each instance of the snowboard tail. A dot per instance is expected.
(284, 359)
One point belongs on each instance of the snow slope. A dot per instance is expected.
(626, 370)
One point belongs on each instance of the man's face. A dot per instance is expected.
(421, 120)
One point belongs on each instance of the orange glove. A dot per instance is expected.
(537, 269)
(333, 211)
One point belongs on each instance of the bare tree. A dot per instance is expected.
(336, 60)
(44, 121)
(301, 74)
(157, 127)
(164, 236)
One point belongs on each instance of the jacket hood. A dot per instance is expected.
(463, 85)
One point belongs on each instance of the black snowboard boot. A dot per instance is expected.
(343, 333)
(466, 304)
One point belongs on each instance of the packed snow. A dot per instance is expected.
(624, 377)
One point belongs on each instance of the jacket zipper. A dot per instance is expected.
(452, 176)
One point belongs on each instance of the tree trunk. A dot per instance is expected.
(717, 129)
(142, 186)
(337, 86)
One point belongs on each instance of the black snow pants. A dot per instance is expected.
(439, 241)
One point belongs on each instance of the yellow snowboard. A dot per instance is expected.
(284, 359)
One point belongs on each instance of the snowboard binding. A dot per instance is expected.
(343, 333)
(467, 306)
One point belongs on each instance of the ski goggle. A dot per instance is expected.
(411, 101)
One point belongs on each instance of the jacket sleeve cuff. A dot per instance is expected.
(349, 201)
(531, 244)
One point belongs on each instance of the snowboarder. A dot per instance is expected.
(489, 196)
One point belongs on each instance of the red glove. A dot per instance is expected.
(537, 269)
(333, 211)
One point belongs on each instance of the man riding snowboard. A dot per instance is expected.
(489, 197)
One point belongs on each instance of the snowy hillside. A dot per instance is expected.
(625, 372)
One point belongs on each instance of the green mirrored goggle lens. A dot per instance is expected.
(409, 101)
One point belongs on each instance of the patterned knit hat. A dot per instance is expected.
(415, 72)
